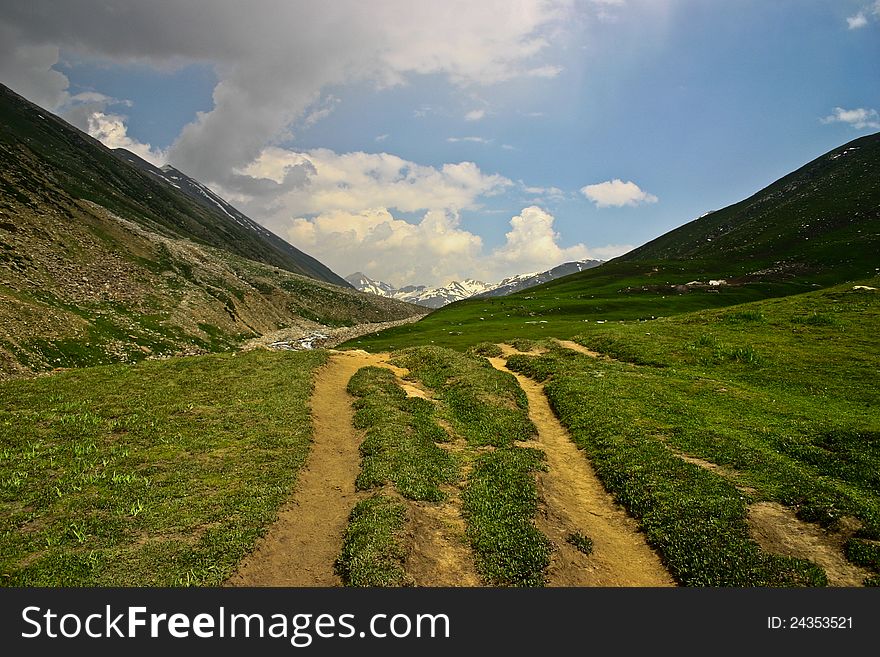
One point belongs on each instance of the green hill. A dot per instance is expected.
(816, 227)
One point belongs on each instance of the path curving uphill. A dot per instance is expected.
(575, 500)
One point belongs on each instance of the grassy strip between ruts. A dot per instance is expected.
(372, 548)
(163, 473)
(499, 504)
(483, 405)
(399, 449)
(488, 408)
(400, 445)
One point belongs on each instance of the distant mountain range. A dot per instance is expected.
(437, 297)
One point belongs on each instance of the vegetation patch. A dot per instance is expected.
(372, 548)
(489, 349)
(163, 473)
(400, 443)
(483, 405)
(500, 501)
(581, 543)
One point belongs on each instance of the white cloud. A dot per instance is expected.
(358, 181)
(436, 249)
(859, 118)
(548, 71)
(320, 110)
(531, 245)
(475, 115)
(616, 193)
(860, 19)
(382, 137)
(550, 193)
(111, 131)
(476, 140)
(857, 21)
(508, 147)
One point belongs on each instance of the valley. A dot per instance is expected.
(188, 400)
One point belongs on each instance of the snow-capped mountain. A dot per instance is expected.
(523, 281)
(437, 297)
(364, 283)
(422, 295)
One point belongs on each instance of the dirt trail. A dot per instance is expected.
(302, 545)
(778, 530)
(440, 555)
(574, 346)
(575, 500)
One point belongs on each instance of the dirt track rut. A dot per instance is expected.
(301, 546)
(575, 500)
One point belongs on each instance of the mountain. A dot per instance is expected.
(105, 258)
(428, 297)
(287, 256)
(819, 223)
(521, 282)
(84, 169)
(364, 283)
(437, 297)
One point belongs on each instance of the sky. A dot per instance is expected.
(424, 142)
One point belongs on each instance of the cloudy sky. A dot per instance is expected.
(425, 141)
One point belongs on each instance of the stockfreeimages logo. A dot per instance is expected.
(300, 629)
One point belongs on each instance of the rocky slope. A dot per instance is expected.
(100, 263)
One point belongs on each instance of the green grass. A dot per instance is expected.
(483, 405)
(400, 443)
(489, 349)
(372, 548)
(163, 473)
(581, 542)
(788, 408)
(499, 503)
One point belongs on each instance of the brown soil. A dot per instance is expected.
(439, 553)
(574, 346)
(778, 530)
(575, 500)
(302, 545)
(508, 350)
(727, 473)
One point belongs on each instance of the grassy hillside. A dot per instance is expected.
(818, 226)
(89, 288)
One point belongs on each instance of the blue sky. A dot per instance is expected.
(424, 142)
